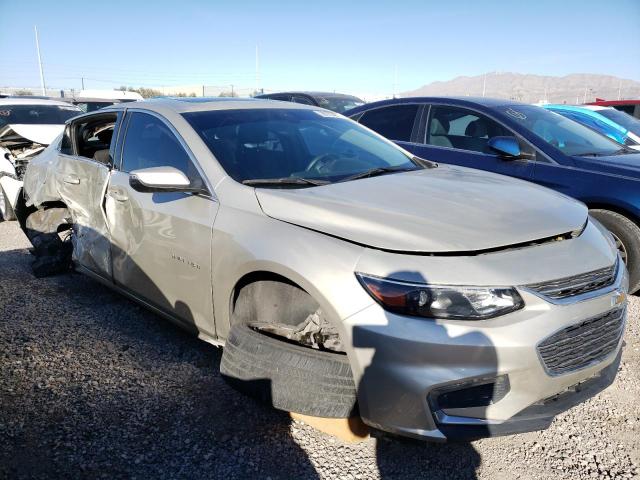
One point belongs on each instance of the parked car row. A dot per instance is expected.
(345, 273)
(336, 102)
(526, 142)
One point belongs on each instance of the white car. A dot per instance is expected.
(27, 126)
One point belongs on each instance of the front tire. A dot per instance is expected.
(288, 376)
(627, 236)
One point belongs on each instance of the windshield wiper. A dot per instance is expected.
(597, 154)
(284, 181)
(374, 172)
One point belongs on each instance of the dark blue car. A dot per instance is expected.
(527, 142)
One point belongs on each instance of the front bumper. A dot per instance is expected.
(401, 361)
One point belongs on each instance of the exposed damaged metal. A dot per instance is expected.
(315, 331)
(18, 153)
(49, 231)
(27, 127)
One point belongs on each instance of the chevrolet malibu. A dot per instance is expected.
(342, 274)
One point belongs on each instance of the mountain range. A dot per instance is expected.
(574, 88)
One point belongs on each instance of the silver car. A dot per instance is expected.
(342, 274)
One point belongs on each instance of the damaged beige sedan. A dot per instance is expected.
(342, 274)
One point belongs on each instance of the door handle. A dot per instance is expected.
(71, 179)
(118, 195)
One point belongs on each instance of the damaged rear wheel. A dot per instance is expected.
(282, 351)
(49, 231)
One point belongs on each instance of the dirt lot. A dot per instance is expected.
(93, 386)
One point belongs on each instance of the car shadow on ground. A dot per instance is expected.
(95, 386)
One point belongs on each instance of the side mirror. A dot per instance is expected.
(505, 146)
(161, 179)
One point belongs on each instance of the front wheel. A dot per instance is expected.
(627, 236)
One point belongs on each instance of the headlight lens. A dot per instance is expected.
(441, 301)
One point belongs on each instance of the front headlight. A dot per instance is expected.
(441, 301)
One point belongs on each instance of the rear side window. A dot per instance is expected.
(455, 127)
(93, 137)
(150, 143)
(303, 100)
(394, 122)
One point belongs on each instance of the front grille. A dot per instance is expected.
(576, 285)
(582, 344)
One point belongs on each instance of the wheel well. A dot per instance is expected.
(271, 298)
(613, 208)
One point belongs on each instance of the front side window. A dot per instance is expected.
(37, 114)
(394, 122)
(150, 143)
(570, 137)
(293, 144)
(456, 127)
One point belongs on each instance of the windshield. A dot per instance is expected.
(570, 137)
(37, 114)
(292, 144)
(339, 104)
(623, 119)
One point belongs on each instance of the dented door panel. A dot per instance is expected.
(161, 249)
(81, 185)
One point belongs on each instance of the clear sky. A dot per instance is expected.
(351, 46)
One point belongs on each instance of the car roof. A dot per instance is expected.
(310, 93)
(95, 99)
(452, 100)
(199, 104)
(34, 101)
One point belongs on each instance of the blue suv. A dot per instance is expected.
(527, 142)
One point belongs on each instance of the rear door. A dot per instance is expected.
(161, 242)
(395, 122)
(457, 135)
(82, 173)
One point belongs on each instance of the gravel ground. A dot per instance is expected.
(93, 386)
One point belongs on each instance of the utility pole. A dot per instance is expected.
(83, 83)
(619, 89)
(44, 90)
(484, 84)
(232, 94)
(257, 71)
(395, 81)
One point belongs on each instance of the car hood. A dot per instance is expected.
(622, 164)
(43, 134)
(445, 209)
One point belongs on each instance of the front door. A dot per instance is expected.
(161, 242)
(459, 136)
